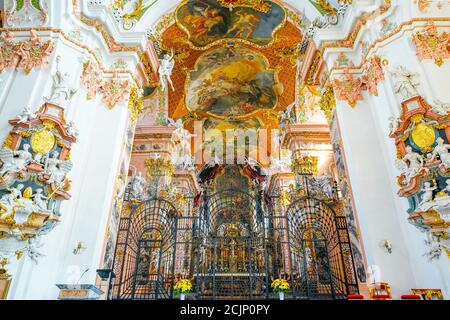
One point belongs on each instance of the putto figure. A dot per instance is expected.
(165, 70)
(406, 82)
(26, 115)
(14, 161)
(410, 165)
(441, 150)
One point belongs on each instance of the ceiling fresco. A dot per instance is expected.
(279, 57)
(232, 82)
(208, 21)
(230, 73)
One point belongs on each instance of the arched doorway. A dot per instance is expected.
(144, 254)
(319, 253)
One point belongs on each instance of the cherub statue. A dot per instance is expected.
(442, 150)
(32, 247)
(138, 185)
(427, 195)
(411, 164)
(435, 246)
(406, 83)
(14, 161)
(440, 107)
(24, 207)
(57, 168)
(165, 70)
(394, 124)
(71, 129)
(7, 201)
(62, 93)
(26, 115)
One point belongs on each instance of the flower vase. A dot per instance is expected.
(182, 296)
(281, 295)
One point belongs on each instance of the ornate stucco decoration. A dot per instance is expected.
(432, 45)
(115, 91)
(35, 161)
(135, 104)
(328, 103)
(62, 91)
(372, 74)
(421, 135)
(91, 79)
(129, 12)
(348, 88)
(25, 55)
(26, 13)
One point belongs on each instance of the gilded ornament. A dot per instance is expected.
(43, 141)
(423, 135)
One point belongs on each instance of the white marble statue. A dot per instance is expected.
(181, 138)
(71, 129)
(327, 186)
(137, 186)
(32, 248)
(435, 247)
(23, 208)
(285, 116)
(410, 165)
(406, 83)
(440, 107)
(57, 168)
(427, 196)
(40, 200)
(441, 150)
(62, 92)
(8, 201)
(26, 115)
(14, 161)
(394, 124)
(165, 70)
(280, 165)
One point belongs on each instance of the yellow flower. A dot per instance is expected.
(280, 285)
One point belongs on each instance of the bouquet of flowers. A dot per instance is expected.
(183, 286)
(280, 285)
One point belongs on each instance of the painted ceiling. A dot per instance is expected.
(234, 68)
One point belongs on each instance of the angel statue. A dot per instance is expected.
(137, 186)
(62, 93)
(440, 107)
(165, 70)
(40, 200)
(441, 150)
(9, 199)
(410, 165)
(394, 124)
(285, 116)
(406, 83)
(427, 196)
(181, 138)
(435, 246)
(14, 161)
(57, 168)
(26, 115)
(71, 129)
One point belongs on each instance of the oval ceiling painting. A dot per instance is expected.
(208, 21)
(232, 82)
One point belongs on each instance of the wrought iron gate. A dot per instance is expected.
(234, 248)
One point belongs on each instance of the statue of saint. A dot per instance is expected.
(165, 70)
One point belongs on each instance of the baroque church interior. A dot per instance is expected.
(224, 149)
